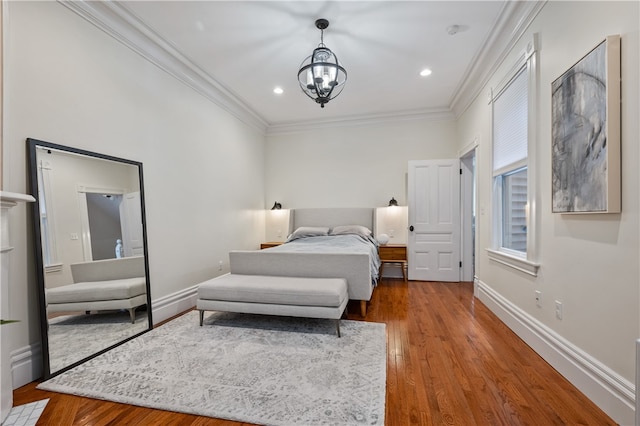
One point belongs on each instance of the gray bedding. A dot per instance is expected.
(335, 244)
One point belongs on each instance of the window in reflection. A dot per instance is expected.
(89, 224)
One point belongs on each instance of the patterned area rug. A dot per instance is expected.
(248, 368)
(75, 337)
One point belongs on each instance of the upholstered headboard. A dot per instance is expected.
(332, 217)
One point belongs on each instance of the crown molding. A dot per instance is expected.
(434, 114)
(511, 24)
(121, 24)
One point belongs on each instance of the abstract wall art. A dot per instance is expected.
(585, 133)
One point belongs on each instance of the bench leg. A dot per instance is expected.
(363, 308)
(201, 317)
(338, 326)
(132, 314)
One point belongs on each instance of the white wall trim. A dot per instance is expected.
(434, 114)
(174, 304)
(471, 146)
(612, 393)
(123, 25)
(608, 390)
(118, 22)
(512, 260)
(637, 381)
(512, 23)
(26, 364)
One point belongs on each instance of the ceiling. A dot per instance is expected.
(248, 48)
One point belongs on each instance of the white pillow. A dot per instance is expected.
(308, 231)
(360, 230)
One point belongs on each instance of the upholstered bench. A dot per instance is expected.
(266, 295)
(102, 285)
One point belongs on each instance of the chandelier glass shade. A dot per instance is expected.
(321, 77)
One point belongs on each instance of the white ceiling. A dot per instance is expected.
(250, 47)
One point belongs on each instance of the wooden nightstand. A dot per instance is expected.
(270, 244)
(393, 253)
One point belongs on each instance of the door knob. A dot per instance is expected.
(411, 228)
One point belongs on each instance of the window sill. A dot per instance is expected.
(56, 267)
(516, 262)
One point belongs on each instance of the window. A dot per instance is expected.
(510, 142)
(47, 228)
(513, 123)
(514, 218)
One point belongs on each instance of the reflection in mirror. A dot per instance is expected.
(91, 252)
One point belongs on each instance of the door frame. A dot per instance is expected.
(84, 214)
(468, 191)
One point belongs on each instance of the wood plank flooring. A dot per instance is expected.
(450, 361)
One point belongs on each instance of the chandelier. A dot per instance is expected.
(320, 76)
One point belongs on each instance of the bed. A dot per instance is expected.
(348, 255)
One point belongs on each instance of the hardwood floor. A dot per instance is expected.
(449, 361)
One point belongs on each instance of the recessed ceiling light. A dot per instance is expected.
(278, 91)
(425, 72)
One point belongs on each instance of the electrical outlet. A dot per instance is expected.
(220, 266)
(538, 298)
(558, 309)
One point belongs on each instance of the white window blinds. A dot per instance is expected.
(510, 125)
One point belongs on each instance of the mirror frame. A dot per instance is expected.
(39, 262)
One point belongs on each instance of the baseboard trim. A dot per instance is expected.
(608, 390)
(174, 304)
(26, 362)
(611, 392)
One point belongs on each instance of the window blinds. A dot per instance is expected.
(510, 125)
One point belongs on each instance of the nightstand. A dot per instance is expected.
(393, 253)
(270, 244)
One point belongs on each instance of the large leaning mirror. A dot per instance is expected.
(91, 252)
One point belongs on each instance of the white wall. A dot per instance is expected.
(67, 82)
(588, 262)
(66, 173)
(352, 166)
(277, 224)
(394, 222)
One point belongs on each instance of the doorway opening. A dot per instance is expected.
(468, 213)
(105, 228)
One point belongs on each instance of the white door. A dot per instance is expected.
(131, 223)
(434, 220)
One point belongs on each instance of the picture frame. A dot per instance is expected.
(585, 133)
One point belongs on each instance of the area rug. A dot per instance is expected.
(75, 337)
(248, 368)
